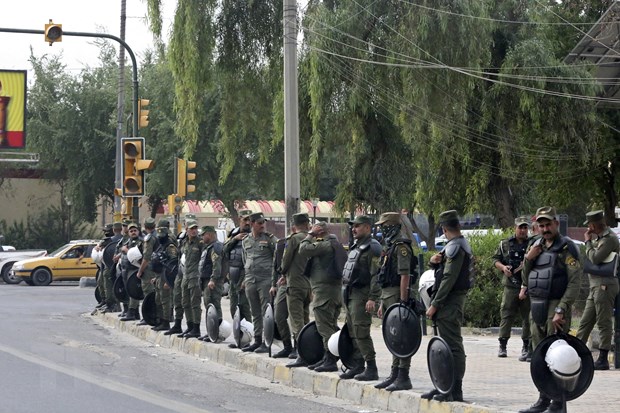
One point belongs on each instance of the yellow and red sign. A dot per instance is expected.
(12, 109)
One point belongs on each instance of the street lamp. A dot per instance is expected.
(315, 203)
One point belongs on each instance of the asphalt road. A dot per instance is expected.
(55, 359)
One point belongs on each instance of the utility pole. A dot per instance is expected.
(120, 106)
(291, 114)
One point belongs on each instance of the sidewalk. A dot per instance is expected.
(491, 384)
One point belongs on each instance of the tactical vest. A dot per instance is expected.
(206, 265)
(235, 263)
(387, 277)
(354, 274)
(547, 279)
(159, 256)
(514, 254)
(463, 281)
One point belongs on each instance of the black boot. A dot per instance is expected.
(350, 373)
(602, 363)
(111, 307)
(130, 316)
(329, 364)
(502, 352)
(123, 311)
(370, 373)
(402, 382)
(190, 326)
(457, 391)
(285, 351)
(258, 340)
(299, 362)
(262, 348)
(294, 354)
(389, 380)
(164, 325)
(136, 314)
(176, 328)
(555, 407)
(320, 362)
(194, 332)
(526, 352)
(429, 395)
(540, 406)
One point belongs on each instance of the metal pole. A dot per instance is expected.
(291, 117)
(120, 106)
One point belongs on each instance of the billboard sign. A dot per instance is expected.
(12, 109)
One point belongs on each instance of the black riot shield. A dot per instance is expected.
(440, 364)
(97, 292)
(544, 379)
(269, 325)
(401, 330)
(108, 255)
(237, 327)
(310, 344)
(346, 350)
(149, 309)
(213, 324)
(119, 290)
(134, 287)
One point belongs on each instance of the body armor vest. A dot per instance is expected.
(354, 274)
(387, 277)
(235, 263)
(206, 265)
(548, 280)
(463, 281)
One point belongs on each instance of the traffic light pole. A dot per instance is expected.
(135, 87)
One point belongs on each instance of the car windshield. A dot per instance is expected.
(59, 250)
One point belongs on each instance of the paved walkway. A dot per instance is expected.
(491, 384)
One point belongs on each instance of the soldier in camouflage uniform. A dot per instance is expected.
(177, 290)
(509, 260)
(145, 272)
(211, 279)
(599, 310)
(191, 292)
(398, 267)
(107, 233)
(109, 272)
(360, 294)
(233, 262)
(134, 240)
(258, 252)
(166, 255)
(280, 307)
(326, 287)
(552, 287)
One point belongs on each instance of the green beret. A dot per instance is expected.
(149, 223)
(362, 219)
(546, 212)
(594, 216)
(300, 218)
(257, 217)
(522, 220)
(450, 216)
(208, 228)
(389, 218)
(163, 223)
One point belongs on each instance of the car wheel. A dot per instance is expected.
(28, 281)
(7, 277)
(41, 277)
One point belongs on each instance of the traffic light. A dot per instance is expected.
(53, 32)
(133, 166)
(143, 114)
(182, 177)
(175, 204)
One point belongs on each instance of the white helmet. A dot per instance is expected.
(225, 330)
(247, 331)
(134, 255)
(427, 280)
(182, 262)
(332, 343)
(564, 362)
(97, 256)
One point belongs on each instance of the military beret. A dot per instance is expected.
(208, 228)
(257, 216)
(594, 216)
(149, 223)
(190, 223)
(244, 213)
(546, 212)
(389, 218)
(522, 220)
(449, 216)
(117, 225)
(300, 218)
(163, 223)
(362, 219)
(133, 225)
(107, 227)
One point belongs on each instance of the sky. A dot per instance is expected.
(75, 16)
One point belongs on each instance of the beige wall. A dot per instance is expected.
(20, 196)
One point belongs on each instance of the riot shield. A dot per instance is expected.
(346, 350)
(401, 330)
(119, 290)
(213, 324)
(440, 364)
(237, 327)
(134, 287)
(149, 309)
(108, 255)
(310, 344)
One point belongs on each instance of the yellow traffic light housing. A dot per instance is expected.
(182, 177)
(143, 114)
(133, 167)
(53, 32)
(175, 204)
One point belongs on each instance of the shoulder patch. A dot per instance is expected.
(404, 252)
(571, 261)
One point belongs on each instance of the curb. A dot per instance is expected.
(323, 384)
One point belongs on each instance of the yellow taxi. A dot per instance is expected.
(69, 262)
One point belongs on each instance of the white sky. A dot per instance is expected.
(76, 16)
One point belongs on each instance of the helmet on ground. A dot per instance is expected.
(246, 333)
(134, 255)
(564, 363)
(332, 343)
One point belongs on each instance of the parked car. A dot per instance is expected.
(69, 262)
(9, 256)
